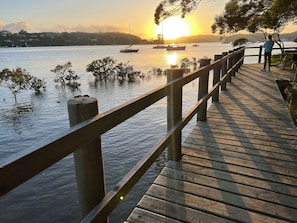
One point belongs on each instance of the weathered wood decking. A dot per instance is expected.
(238, 166)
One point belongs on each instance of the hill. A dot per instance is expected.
(215, 38)
(23, 38)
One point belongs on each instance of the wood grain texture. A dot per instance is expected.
(238, 166)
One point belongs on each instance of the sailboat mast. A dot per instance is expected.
(129, 36)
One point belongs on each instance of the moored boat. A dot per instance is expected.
(159, 47)
(129, 50)
(175, 47)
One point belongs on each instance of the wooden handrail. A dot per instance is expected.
(24, 165)
(259, 55)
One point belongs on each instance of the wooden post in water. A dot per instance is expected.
(88, 159)
(174, 112)
(216, 78)
(203, 90)
(224, 72)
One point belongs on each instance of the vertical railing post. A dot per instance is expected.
(236, 59)
(216, 78)
(242, 56)
(203, 90)
(224, 71)
(230, 65)
(260, 54)
(88, 159)
(174, 112)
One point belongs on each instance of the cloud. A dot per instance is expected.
(97, 28)
(15, 27)
(83, 28)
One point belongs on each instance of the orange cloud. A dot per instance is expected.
(15, 27)
(84, 28)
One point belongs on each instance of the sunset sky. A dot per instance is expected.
(103, 16)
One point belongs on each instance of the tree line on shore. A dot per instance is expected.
(25, 39)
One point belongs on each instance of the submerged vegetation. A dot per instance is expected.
(104, 69)
(108, 68)
(66, 76)
(19, 79)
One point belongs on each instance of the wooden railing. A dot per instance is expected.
(260, 52)
(24, 165)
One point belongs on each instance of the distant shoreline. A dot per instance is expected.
(25, 39)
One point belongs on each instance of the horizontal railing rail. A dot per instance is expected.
(24, 165)
(259, 55)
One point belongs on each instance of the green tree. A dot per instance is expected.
(65, 75)
(250, 15)
(19, 79)
(107, 68)
(126, 72)
(103, 68)
(240, 41)
(169, 8)
(256, 15)
(36, 84)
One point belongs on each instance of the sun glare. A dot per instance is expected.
(173, 27)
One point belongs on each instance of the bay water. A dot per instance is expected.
(52, 195)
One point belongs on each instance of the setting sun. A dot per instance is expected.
(173, 27)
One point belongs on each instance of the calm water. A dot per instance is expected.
(51, 196)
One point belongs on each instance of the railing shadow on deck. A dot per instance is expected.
(24, 165)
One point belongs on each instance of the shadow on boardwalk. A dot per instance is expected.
(238, 166)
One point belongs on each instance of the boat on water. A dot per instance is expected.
(159, 47)
(195, 45)
(175, 47)
(129, 50)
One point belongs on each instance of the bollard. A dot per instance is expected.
(174, 112)
(88, 159)
(203, 90)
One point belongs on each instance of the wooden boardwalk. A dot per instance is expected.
(238, 166)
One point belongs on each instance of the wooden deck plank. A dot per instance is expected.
(167, 210)
(206, 141)
(274, 167)
(240, 165)
(230, 198)
(218, 183)
(261, 158)
(241, 178)
(143, 216)
(207, 205)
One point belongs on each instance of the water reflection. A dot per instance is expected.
(16, 116)
(52, 196)
(171, 59)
